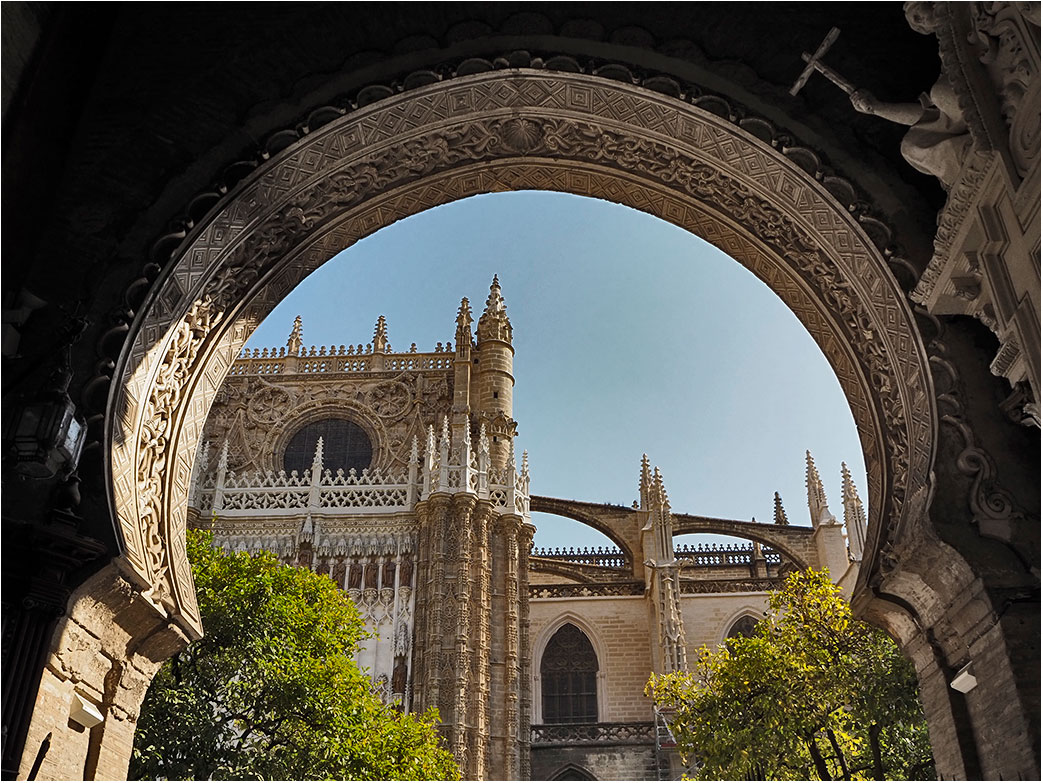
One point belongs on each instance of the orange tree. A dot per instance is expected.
(814, 695)
(272, 690)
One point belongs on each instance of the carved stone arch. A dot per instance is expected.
(572, 772)
(518, 129)
(539, 646)
(729, 624)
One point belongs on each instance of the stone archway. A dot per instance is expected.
(518, 129)
(507, 130)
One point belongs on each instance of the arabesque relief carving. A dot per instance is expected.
(522, 129)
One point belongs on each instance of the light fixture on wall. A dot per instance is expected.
(84, 712)
(45, 434)
(964, 681)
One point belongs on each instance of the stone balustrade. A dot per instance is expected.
(594, 734)
(714, 555)
(338, 359)
(444, 467)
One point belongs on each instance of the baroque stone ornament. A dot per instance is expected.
(510, 130)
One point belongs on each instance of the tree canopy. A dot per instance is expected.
(272, 690)
(813, 695)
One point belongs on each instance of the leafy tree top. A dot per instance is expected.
(272, 690)
(814, 694)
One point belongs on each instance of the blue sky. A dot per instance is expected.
(631, 336)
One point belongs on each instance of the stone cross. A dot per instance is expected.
(814, 63)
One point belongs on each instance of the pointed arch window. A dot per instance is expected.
(743, 627)
(569, 678)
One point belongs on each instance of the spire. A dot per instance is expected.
(463, 324)
(644, 483)
(380, 336)
(293, 344)
(316, 463)
(817, 505)
(854, 515)
(780, 512)
(658, 490)
(494, 322)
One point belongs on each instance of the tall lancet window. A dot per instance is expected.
(569, 678)
(345, 445)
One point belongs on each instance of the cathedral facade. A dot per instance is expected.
(396, 474)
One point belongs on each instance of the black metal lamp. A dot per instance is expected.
(45, 434)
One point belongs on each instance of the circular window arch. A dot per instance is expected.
(345, 446)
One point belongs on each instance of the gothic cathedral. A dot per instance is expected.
(396, 474)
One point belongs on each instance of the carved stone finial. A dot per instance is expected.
(658, 490)
(483, 440)
(380, 336)
(780, 512)
(463, 324)
(854, 515)
(817, 505)
(316, 462)
(293, 344)
(644, 482)
(494, 323)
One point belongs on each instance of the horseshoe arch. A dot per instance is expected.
(509, 130)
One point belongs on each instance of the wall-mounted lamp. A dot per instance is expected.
(84, 713)
(45, 434)
(964, 681)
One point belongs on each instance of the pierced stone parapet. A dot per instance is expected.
(700, 586)
(587, 590)
(569, 734)
(337, 359)
(714, 555)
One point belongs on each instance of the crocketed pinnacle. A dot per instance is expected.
(644, 483)
(380, 336)
(316, 463)
(658, 493)
(780, 512)
(494, 323)
(854, 514)
(816, 494)
(293, 344)
(463, 324)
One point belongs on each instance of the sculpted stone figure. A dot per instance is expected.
(371, 575)
(938, 139)
(355, 577)
(405, 572)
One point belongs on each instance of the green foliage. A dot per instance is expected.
(272, 690)
(813, 695)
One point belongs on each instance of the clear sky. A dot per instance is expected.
(631, 336)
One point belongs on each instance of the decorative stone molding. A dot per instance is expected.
(449, 140)
(986, 254)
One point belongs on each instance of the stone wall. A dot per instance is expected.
(603, 762)
(106, 651)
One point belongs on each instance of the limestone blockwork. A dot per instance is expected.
(952, 550)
